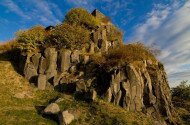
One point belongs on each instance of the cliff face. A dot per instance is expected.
(140, 86)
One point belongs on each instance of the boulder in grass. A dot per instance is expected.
(65, 118)
(53, 108)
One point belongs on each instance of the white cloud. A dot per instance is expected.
(13, 7)
(169, 27)
(44, 12)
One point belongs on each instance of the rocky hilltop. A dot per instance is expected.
(94, 72)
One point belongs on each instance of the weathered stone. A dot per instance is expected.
(65, 118)
(36, 59)
(117, 98)
(59, 100)
(53, 108)
(51, 58)
(42, 82)
(42, 65)
(24, 94)
(57, 78)
(108, 95)
(75, 56)
(30, 71)
(65, 60)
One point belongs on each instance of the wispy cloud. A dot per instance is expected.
(44, 12)
(13, 7)
(168, 26)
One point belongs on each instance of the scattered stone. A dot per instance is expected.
(59, 100)
(65, 118)
(53, 108)
(23, 94)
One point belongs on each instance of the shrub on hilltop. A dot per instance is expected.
(30, 40)
(81, 17)
(69, 36)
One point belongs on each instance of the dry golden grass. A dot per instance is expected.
(123, 55)
(7, 46)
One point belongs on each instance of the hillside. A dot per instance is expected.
(22, 104)
(81, 72)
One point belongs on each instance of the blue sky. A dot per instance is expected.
(164, 22)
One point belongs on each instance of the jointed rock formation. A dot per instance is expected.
(138, 86)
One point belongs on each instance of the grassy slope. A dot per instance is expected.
(22, 111)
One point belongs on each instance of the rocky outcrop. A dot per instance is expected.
(140, 86)
(143, 89)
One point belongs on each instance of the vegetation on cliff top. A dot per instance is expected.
(124, 54)
(81, 17)
(31, 40)
(73, 33)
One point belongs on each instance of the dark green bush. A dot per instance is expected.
(81, 17)
(70, 36)
(182, 91)
(30, 40)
